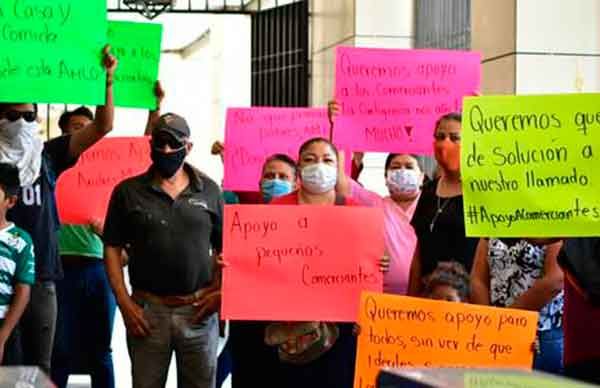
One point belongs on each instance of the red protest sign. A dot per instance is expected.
(390, 99)
(299, 263)
(83, 192)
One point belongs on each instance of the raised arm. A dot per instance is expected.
(480, 275)
(103, 122)
(154, 115)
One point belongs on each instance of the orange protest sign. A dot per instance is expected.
(83, 192)
(299, 263)
(400, 331)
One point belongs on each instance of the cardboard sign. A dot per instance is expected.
(391, 99)
(83, 192)
(137, 47)
(299, 263)
(52, 51)
(530, 165)
(400, 331)
(254, 134)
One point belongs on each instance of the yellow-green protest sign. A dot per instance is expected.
(499, 379)
(529, 165)
(52, 51)
(137, 47)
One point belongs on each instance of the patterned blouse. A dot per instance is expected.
(514, 266)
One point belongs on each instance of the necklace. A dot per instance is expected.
(440, 209)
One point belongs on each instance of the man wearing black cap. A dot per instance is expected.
(170, 220)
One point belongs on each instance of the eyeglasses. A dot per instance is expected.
(162, 141)
(14, 115)
(441, 136)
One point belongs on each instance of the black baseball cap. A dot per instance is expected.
(174, 125)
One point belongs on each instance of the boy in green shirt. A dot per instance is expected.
(16, 269)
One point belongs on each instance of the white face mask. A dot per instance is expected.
(403, 181)
(319, 178)
(20, 145)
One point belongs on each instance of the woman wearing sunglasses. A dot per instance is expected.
(439, 217)
(39, 166)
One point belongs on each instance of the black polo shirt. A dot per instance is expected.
(168, 241)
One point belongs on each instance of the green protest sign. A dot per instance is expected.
(521, 380)
(137, 47)
(52, 51)
(529, 165)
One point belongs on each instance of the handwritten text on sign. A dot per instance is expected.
(51, 51)
(391, 99)
(137, 47)
(530, 165)
(399, 331)
(299, 263)
(254, 134)
(83, 192)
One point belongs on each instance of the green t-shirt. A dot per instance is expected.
(80, 240)
(17, 263)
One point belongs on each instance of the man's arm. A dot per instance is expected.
(103, 122)
(154, 115)
(15, 311)
(133, 315)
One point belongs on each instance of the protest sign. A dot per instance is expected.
(391, 99)
(83, 192)
(530, 165)
(52, 51)
(518, 380)
(253, 134)
(137, 47)
(299, 263)
(400, 331)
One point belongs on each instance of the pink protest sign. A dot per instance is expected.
(391, 99)
(253, 134)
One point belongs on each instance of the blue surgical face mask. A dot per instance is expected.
(274, 188)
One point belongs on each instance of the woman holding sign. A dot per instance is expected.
(439, 217)
(404, 177)
(315, 354)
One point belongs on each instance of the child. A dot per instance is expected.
(449, 281)
(16, 269)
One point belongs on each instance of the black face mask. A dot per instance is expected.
(167, 164)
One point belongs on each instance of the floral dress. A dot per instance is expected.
(514, 266)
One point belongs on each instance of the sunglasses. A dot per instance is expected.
(14, 115)
(162, 141)
(441, 136)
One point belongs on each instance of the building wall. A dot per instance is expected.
(537, 46)
(363, 23)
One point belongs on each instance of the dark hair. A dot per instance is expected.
(63, 121)
(314, 140)
(281, 158)
(5, 105)
(454, 116)
(390, 158)
(452, 274)
(9, 179)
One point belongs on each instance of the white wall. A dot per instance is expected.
(558, 46)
